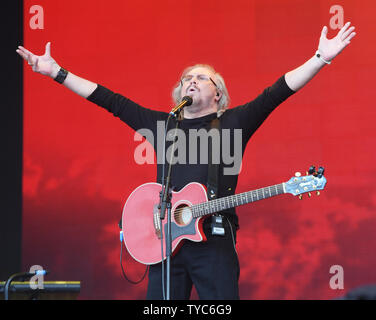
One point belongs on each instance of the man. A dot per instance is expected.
(212, 266)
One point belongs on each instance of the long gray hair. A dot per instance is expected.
(223, 102)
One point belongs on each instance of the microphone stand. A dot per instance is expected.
(165, 202)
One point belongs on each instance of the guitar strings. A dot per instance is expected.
(240, 197)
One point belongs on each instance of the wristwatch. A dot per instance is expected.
(61, 75)
(318, 55)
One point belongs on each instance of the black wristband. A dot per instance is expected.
(61, 75)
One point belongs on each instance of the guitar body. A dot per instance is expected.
(140, 221)
(141, 218)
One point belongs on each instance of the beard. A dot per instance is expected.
(197, 104)
(200, 103)
(194, 108)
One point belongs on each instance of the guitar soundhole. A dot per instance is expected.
(183, 215)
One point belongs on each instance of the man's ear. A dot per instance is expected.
(218, 96)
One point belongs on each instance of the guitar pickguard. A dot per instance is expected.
(177, 231)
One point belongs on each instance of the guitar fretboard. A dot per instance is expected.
(220, 204)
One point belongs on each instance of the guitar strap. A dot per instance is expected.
(213, 168)
(213, 177)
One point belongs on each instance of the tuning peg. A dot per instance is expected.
(318, 193)
(320, 172)
(300, 197)
(309, 194)
(311, 169)
(297, 174)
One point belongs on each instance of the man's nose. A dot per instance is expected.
(193, 80)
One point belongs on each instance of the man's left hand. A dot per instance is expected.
(330, 48)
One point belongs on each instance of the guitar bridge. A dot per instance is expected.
(157, 221)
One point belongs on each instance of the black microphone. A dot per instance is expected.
(186, 101)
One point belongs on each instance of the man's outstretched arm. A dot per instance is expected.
(328, 49)
(47, 66)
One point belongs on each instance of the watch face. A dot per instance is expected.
(61, 75)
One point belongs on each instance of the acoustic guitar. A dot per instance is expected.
(141, 216)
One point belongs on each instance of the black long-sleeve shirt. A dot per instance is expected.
(247, 117)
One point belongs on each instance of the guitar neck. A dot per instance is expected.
(220, 204)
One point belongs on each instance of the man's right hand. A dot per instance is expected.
(45, 64)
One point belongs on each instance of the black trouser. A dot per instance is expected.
(211, 266)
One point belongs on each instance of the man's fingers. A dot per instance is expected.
(324, 32)
(24, 50)
(344, 28)
(29, 58)
(35, 64)
(347, 40)
(22, 54)
(48, 49)
(32, 59)
(345, 34)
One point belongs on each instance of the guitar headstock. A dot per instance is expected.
(313, 181)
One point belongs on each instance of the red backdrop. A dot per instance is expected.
(78, 159)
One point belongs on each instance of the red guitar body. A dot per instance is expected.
(141, 217)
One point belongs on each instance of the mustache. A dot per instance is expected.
(192, 86)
